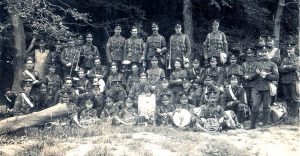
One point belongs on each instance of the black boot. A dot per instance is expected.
(254, 117)
(240, 117)
(266, 117)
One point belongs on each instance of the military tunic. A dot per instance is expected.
(89, 52)
(102, 70)
(115, 48)
(248, 68)
(215, 43)
(180, 46)
(134, 49)
(217, 74)
(153, 42)
(155, 74)
(22, 107)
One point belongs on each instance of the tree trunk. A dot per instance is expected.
(277, 21)
(18, 122)
(20, 47)
(188, 20)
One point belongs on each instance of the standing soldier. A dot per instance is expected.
(70, 58)
(180, 46)
(53, 81)
(289, 80)
(262, 42)
(134, 48)
(215, 43)
(266, 71)
(89, 52)
(248, 68)
(54, 58)
(115, 47)
(41, 58)
(155, 46)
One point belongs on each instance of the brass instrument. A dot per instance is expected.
(76, 67)
(170, 56)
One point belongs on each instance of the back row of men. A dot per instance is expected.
(238, 86)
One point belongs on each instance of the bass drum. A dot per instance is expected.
(182, 117)
(278, 113)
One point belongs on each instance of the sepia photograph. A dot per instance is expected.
(149, 77)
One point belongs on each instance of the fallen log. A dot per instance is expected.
(2, 109)
(18, 122)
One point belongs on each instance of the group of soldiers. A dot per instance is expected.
(74, 74)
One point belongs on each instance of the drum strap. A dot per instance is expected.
(27, 100)
(231, 93)
(272, 53)
(7, 98)
(30, 75)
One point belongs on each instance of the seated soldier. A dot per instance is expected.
(234, 98)
(67, 88)
(29, 73)
(155, 73)
(138, 89)
(164, 89)
(117, 91)
(98, 71)
(44, 100)
(110, 109)
(133, 77)
(176, 78)
(165, 110)
(10, 98)
(216, 73)
(211, 109)
(83, 83)
(97, 91)
(128, 115)
(115, 75)
(189, 90)
(196, 73)
(207, 84)
(25, 102)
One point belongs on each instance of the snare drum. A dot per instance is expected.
(278, 112)
(182, 117)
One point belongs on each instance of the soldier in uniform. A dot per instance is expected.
(234, 98)
(53, 81)
(41, 58)
(176, 78)
(248, 67)
(10, 98)
(89, 52)
(196, 72)
(44, 100)
(162, 89)
(266, 71)
(232, 69)
(188, 90)
(139, 88)
(180, 46)
(155, 73)
(115, 47)
(67, 88)
(83, 84)
(54, 58)
(117, 91)
(289, 68)
(262, 42)
(110, 108)
(98, 71)
(215, 42)
(155, 46)
(217, 73)
(211, 109)
(115, 75)
(25, 102)
(133, 77)
(165, 111)
(29, 72)
(134, 48)
(70, 58)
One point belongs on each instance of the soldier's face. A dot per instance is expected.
(154, 63)
(27, 89)
(178, 30)
(213, 63)
(155, 30)
(114, 69)
(196, 65)
(291, 51)
(118, 31)
(29, 64)
(215, 27)
(51, 70)
(250, 54)
(97, 63)
(69, 84)
(58, 47)
(134, 32)
(80, 41)
(134, 69)
(270, 43)
(232, 61)
(165, 84)
(65, 99)
(262, 42)
(42, 45)
(81, 74)
(71, 44)
(128, 103)
(234, 82)
(143, 79)
(177, 65)
(184, 101)
(213, 98)
(165, 102)
(43, 89)
(89, 39)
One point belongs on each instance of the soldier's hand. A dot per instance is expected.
(246, 76)
(69, 64)
(257, 71)
(263, 74)
(158, 50)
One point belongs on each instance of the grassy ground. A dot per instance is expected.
(104, 139)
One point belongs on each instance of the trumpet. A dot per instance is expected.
(76, 67)
(170, 55)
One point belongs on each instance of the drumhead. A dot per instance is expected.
(182, 118)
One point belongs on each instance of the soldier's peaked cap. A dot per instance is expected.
(215, 21)
(183, 96)
(128, 99)
(165, 96)
(29, 59)
(270, 37)
(80, 37)
(65, 95)
(178, 60)
(211, 90)
(154, 58)
(178, 25)
(143, 74)
(164, 79)
(89, 35)
(233, 77)
(42, 42)
(154, 25)
(114, 64)
(118, 27)
(290, 46)
(250, 50)
(196, 61)
(68, 78)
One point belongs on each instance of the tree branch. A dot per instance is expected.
(31, 44)
(4, 27)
